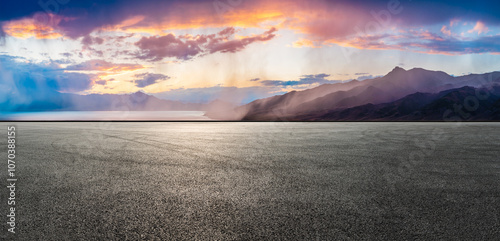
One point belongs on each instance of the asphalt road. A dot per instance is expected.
(255, 181)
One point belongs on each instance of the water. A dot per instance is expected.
(227, 181)
(104, 115)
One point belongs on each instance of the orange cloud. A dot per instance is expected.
(320, 22)
(199, 15)
(317, 19)
(28, 28)
(198, 20)
(304, 43)
(104, 66)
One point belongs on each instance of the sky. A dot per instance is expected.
(236, 50)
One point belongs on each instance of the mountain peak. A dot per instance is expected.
(397, 69)
(139, 93)
(396, 72)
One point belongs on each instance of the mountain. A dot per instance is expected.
(134, 102)
(324, 99)
(424, 107)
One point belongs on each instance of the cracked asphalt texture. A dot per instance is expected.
(255, 181)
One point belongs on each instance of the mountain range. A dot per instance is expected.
(415, 94)
(401, 95)
(138, 101)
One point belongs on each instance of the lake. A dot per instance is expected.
(104, 115)
(253, 181)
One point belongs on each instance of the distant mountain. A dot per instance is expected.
(399, 83)
(134, 102)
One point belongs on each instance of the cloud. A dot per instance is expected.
(102, 65)
(306, 43)
(321, 19)
(100, 82)
(446, 31)
(319, 22)
(89, 40)
(70, 82)
(230, 94)
(147, 79)
(37, 84)
(220, 44)
(426, 42)
(67, 55)
(479, 28)
(2, 35)
(316, 22)
(23, 83)
(453, 46)
(280, 83)
(361, 73)
(156, 48)
(333, 21)
(29, 27)
(303, 80)
(365, 77)
(255, 79)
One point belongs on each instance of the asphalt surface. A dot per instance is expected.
(255, 181)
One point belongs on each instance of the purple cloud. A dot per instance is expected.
(147, 79)
(222, 45)
(102, 65)
(303, 80)
(156, 48)
(426, 42)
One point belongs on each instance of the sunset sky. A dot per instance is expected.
(239, 49)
